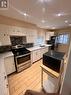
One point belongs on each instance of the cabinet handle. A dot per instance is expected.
(7, 85)
(13, 63)
(4, 77)
(36, 53)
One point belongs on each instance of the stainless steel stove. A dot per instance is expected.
(22, 58)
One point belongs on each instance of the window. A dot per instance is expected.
(40, 41)
(62, 39)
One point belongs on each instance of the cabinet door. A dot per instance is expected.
(34, 56)
(6, 86)
(4, 90)
(31, 36)
(30, 39)
(48, 35)
(43, 51)
(9, 64)
(46, 50)
(38, 54)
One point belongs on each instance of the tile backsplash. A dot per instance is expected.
(18, 40)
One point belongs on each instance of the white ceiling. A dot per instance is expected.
(51, 14)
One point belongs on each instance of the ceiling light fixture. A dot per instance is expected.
(42, 1)
(43, 21)
(70, 24)
(43, 9)
(24, 14)
(19, 11)
(59, 14)
(66, 21)
(53, 27)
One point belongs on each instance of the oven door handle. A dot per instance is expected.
(23, 55)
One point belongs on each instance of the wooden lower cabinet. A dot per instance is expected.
(35, 55)
(4, 89)
(9, 64)
(38, 54)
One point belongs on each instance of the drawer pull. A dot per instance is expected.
(4, 77)
(7, 85)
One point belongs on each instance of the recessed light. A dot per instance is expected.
(70, 24)
(66, 21)
(42, 1)
(53, 27)
(60, 14)
(43, 21)
(43, 9)
(24, 14)
(19, 11)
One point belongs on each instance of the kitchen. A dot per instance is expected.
(17, 36)
(31, 39)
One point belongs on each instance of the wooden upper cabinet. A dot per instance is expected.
(48, 35)
(41, 34)
(31, 36)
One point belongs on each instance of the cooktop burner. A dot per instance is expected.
(20, 51)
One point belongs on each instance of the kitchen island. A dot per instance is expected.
(53, 65)
(54, 60)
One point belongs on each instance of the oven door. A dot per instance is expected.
(23, 59)
(23, 62)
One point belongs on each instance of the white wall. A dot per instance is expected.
(67, 81)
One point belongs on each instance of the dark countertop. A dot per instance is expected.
(55, 54)
(8, 48)
(4, 49)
